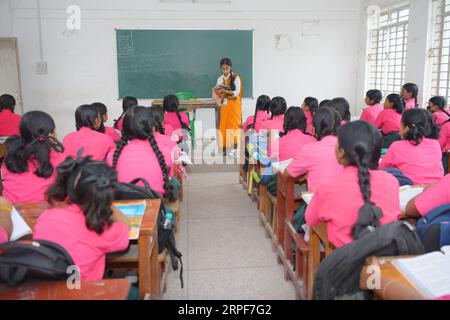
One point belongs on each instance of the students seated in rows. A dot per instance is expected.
(138, 154)
(31, 161)
(127, 103)
(174, 121)
(6, 225)
(310, 106)
(87, 136)
(342, 107)
(317, 160)
(409, 93)
(417, 157)
(9, 121)
(88, 227)
(110, 131)
(293, 138)
(277, 107)
(374, 106)
(438, 106)
(358, 189)
(261, 114)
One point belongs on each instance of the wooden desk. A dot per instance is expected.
(393, 284)
(143, 256)
(318, 235)
(110, 289)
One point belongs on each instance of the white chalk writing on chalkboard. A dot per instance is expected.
(143, 62)
(125, 45)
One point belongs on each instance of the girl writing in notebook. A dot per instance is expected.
(88, 227)
(359, 191)
(87, 137)
(30, 165)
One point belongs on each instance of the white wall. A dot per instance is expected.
(322, 62)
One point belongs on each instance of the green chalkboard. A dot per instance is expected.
(153, 63)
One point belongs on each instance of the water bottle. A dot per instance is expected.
(168, 221)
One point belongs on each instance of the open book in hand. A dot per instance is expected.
(428, 273)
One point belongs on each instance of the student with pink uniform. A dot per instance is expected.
(261, 114)
(277, 107)
(5, 220)
(360, 193)
(30, 165)
(438, 106)
(88, 227)
(109, 131)
(342, 107)
(310, 106)
(388, 121)
(94, 143)
(317, 160)
(138, 154)
(374, 107)
(127, 103)
(174, 121)
(9, 121)
(409, 93)
(293, 138)
(416, 156)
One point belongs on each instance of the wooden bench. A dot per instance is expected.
(108, 289)
(142, 256)
(287, 235)
(318, 235)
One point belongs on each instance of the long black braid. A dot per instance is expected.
(262, 104)
(164, 168)
(119, 147)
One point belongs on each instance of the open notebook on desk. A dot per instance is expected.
(134, 211)
(428, 273)
(281, 165)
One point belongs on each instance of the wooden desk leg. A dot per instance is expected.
(288, 213)
(281, 213)
(144, 265)
(155, 271)
(313, 261)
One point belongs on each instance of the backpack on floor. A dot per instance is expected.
(25, 260)
(434, 228)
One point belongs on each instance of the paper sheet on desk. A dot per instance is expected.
(20, 227)
(406, 193)
(281, 165)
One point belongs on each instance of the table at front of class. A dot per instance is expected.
(193, 105)
(146, 255)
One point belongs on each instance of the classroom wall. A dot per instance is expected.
(318, 53)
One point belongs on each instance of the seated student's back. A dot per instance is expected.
(277, 107)
(310, 106)
(109, 131)
(9, 121)
(94, 143)
(88, 228)
(293, 138)
(359, 190)
(342, 107)
(417, 156)
(374, 107)
(127, 103)
(318, 160)
(261, 114)
(31, 161)
(174, 121)
(390, 118)
(138, 154)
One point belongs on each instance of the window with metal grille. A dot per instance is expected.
(439, 53)
(387, 49)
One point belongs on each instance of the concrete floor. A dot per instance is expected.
(225, 252)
